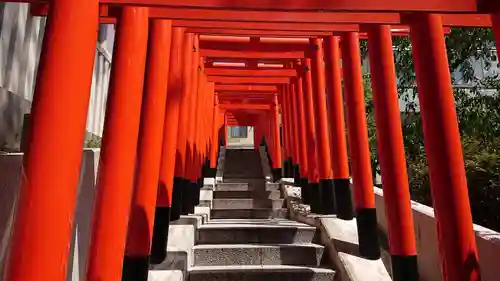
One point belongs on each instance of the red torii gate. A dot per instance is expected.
(52, 163)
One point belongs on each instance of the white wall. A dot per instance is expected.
(20, 45)
(10, 167)
(241, 142)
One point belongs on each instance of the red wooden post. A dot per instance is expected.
(295, 133)
(140, 227)
(322, 131)
(313, 176)
(277, 140)
(180, 176)
(169, 195)
(190, 171)
(118, 153)
(359, 147)
(391, 155)
(495, 20)
(270, 138)
(302, 138)
(214, 148)
(457, 245)
(51, 165)
(340, 165)
(286, 133)
(226, 130)
(287, 101)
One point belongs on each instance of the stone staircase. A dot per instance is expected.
(248, 237)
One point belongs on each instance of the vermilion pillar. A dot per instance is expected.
(312, 177)
(302, 138)
(359, 147)
(226, 130)
(443, 149)
(180, 180)
(117, 161)
(286, 133)
(271, 138)
(140, 227)
(277, 140)
(215, 144)
(287, 102)
(391, 155)
(338, 146)
(51, 166)
(169, 195)
(495, 20)
(193, 96)
(321, 126)
(295, 133)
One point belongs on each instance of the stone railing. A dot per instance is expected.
(487, 241)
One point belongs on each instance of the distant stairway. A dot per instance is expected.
(248, 237)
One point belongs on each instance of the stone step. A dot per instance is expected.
(269, 194)
(248, 214)
(234, 175)
(252, 180)
(258, 254)
(246, 203)
(237, 186)
(241, 185)
(267, 232)
(260, 273)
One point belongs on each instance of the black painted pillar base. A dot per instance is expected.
(369, 246)
(195, 193)
(177, 197)
(206, 166)
(404, 268)
(211, 172)
(290, 168)
(160, 235)
(305, 190)
(199, 186)
(315, 194)
(203, 169)
(343, 200)
(285, 168)
(276, 173)
(135, 268)
(327, 196)
(187, 197)
(296, 173)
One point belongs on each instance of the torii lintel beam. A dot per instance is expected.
(252, 55)
(242, 106)
(246, 88)
(451, 6)
(294, 17)
(257, 32)
(248, 80)
(321, 27)
(249, 72)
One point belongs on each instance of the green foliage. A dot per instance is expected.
(477, 113)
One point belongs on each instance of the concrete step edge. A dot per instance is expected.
(255, 246)
(266, 268)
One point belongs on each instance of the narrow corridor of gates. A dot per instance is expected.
(183, 73)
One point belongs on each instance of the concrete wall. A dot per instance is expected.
(20, 44)
(241, 142)
(487, 241)
(10, 168)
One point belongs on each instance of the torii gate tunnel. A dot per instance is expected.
(198, 66)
